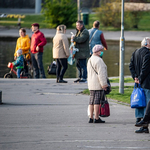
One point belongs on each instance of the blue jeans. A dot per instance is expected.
(82, 69)
(18, 72)
(38, 64)
(140, 112)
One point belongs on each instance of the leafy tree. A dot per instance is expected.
(109, 13)
(58, 12)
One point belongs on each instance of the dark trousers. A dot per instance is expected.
(38, 64)
(147, 113)
(82, 68)
(25, 66)
(62, 66)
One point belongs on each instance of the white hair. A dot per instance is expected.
(145, 41)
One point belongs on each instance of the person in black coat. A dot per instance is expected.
(140, 71)
(145, 121)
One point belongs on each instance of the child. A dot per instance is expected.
(19, 62)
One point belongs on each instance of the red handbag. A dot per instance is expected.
(104, 110)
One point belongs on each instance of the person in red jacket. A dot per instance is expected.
(38, 40)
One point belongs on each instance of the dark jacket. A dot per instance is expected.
(140, 66)
(37, 39)
(81, 41)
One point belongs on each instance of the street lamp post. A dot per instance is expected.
(79, 17)
(122, 49)
(38, 6)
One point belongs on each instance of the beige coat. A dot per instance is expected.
(60, 46)
(96, 82)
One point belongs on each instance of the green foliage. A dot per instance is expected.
(58, 12)
(134, 18)
(110, 13)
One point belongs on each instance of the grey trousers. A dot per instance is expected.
(38, 65)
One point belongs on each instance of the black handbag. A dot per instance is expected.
(108, 87)
(51, 70)
(108, 90)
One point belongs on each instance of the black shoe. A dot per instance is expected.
(90, 120)
(141, 124)
(83, 81)
(77, 80)
(142, 130)
(62, 81)
(99, 121)
(57, 81)
(138, 120)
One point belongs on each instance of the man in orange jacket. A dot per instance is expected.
(38, 40)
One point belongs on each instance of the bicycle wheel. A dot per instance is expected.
(8, 75)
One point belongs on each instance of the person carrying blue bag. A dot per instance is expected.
(140, 71)
(138, 99)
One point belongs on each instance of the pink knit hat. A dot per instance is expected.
(97, 48)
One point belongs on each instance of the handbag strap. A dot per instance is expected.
(92, 67)
(105, 98)
(97, 74)
(92, 36)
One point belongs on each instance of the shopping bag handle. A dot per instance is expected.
(137, 85)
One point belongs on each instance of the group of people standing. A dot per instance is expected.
(30, 51)
(34, 49)
(91, 45)
(97, 83)
(81, 41)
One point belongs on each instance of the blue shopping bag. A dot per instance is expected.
(71, 60)
(73, 50)
(138, 98)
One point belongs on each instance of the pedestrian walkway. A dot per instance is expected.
(109, 35)
(44, 115)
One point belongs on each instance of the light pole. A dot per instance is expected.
(79, 17)
(122, 49)
(38, 6)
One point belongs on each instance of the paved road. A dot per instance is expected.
(44, 115)
(109, 35)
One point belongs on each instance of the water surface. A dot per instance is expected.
(111, 58)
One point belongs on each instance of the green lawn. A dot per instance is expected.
(126, 80)
(114, 94)
(29, 19)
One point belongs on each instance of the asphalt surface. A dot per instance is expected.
(109, 35)
(135, 36)
(44, 115)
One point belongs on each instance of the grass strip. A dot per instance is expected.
(126, 80)
(114, 94)
(29, 19)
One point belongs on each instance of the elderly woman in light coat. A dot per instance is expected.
(97, 82)
(61, 52)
